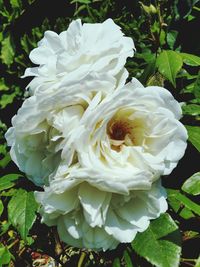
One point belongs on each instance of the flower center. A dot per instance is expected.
(125, 128)
(118, 130)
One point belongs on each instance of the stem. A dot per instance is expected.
(81, 259)
(189, 264)
(160, 24)
(12, 244)
(190, 260)
(58, 246)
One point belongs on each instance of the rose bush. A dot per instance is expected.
(94, 49)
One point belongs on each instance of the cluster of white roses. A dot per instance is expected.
(96, 145)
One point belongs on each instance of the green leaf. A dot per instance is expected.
(3, 86)
(192, 185)
(7, 181)
(171, 38)
(156, 80)
(5, 255)
(196, 88)
(7, 51)
(16, 3)
(197, 262)
(8, 193)
(127, 259)
(7, 99)
(178, 207)
(4, 227)
(194, 135)
(116, 263)
(190, 59)
(1, 207)
(191, 109)
(162, 37)
(160, 243)
(185, 201)
(81, 1)
(187, 235)
(169, 64)
(21, 212)
(148, 72)
(5, 160)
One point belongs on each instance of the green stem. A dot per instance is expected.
(189, 260)
(81, 259)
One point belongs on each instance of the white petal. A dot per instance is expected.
(120, 229)
(95, 204)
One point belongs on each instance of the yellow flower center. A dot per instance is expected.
(125, 128)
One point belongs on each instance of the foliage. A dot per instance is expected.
(167, 54)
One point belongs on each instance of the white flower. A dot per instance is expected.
(44, 123)
(88, 217)
(131, 137)
(38, 136)
(93, 49)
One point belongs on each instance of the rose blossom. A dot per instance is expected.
(89, 217)
(43, 125)
(131, 133)
(95, 49)
(97, 146)
(124, 142)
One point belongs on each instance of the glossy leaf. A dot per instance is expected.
(178, 207)
(196, 87)
(169, 64)
(8, 181)
(127, 259)
(192, 185)
(16, 3)
(185, 201)
(194, 135)
(1, 207)
(116, 263)
(191, 109)
(171, 38)
(197, 262)
(7, 51)
(5, 255)
(160, 243)
(190, 59)
(190, 235)
(21, 211)
(7, 99)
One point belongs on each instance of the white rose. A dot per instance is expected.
(93, 49)
(88, 217)
(43, 125)
(131, 137)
